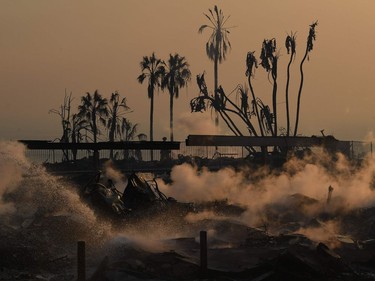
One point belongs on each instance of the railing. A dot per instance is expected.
(358, 150)
(209, 152)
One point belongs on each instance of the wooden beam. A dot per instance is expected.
(145, 145)
(214, 140)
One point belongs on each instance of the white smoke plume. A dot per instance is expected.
(257, 191)
(118, 178)
(202, 124)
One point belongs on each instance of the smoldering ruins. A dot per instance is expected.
(311, 219)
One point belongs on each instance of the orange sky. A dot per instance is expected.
(49, 46)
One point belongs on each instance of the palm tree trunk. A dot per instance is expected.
(74, 151)
(95, 132)
(216, 82)
(256, 106)
(152, 118)
(287, 95)
(274, 103)
(112, 135)
(152, 123)
(171, 115)
(299, 93)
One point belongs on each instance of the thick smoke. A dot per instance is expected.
(307, 180)
(118, 178)
(197, 124)
(300, 188)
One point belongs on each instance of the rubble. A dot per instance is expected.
(42, 244)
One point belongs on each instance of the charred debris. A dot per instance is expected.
(42, 247)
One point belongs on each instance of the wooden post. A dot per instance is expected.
(81, 261)
(203, 249)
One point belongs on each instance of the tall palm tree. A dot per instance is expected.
(290, 44)
(176, 76)
(94, 109)
(218, 44)
(152, 69)
(309, 46)
(269, 59)
(252, 62)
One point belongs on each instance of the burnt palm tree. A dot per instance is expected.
(128, 131)
(64, 113)
(269, 60)
(116, 109)
(309, 46)
(251, 63)
(290, 44)
(176, 75)
(78, 124)
(94, 110)
(218, 44)
(152, 69)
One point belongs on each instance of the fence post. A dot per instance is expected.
(203, 251)
(81, 261)
(371, 148)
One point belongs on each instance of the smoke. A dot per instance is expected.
(298, 191)
(197, 124)
(326, 232)
(302, 187)
(111, 172)
(370, 137)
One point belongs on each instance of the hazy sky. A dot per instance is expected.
(49, 46)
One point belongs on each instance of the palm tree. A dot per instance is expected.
(175, 76)
(252, 62)
(94, 110)
(309, 46)
(290, 44)
(78, 124)
(116, 109)
(269, 60)
(218, 44)
(128, 131)
(152, 69)
(64, 113)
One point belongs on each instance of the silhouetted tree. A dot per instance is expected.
(175, 76)
(251, 63)
(228, 109)
(116, 109)
(152, 69)
(64, 113)
(128, 131)
(309, 46)
(77, 125)
(93, 109)
(218, 44)
(269, 60)
(290, 44)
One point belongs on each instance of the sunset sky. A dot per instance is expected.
(47, 47)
